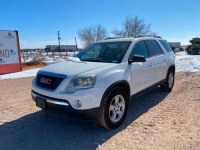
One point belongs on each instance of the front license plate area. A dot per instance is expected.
(40, 102)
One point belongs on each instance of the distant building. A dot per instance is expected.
(32, 50)
(63, 48)
(176, 46)
(184, 47)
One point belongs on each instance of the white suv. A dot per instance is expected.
(101, 79)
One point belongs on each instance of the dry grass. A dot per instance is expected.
(32, 66)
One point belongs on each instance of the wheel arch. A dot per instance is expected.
(164, 84)
(171, 67)
(123, 84)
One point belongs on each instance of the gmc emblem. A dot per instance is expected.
(45, 81)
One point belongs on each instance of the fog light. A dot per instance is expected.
(79, 103)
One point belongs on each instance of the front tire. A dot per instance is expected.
(169, 81)
(114, 109)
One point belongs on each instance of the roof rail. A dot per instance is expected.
(114, 37)
(155, 36)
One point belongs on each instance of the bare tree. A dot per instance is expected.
(134, 26)
(92, 34)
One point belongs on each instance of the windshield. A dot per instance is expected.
(111, 52)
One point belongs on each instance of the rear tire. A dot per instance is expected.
(114, 109)
(169, 81)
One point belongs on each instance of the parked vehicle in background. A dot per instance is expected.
(100, 79)
(194, 48)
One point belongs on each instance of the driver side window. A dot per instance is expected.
(140, 49)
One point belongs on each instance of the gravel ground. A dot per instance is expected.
(156, 120)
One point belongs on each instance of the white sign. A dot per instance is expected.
(9, 52)
(8, 47)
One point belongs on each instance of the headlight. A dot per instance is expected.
(81, 82)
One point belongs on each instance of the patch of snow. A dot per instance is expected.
(50, 61)
(26, 60)
(22, 74)
(187, 63)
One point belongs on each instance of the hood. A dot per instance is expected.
(73, 68)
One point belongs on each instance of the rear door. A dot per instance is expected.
(158, 58)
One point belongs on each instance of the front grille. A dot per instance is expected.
(48, 82)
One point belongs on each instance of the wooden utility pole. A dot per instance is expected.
(76, 46)
(59, 38)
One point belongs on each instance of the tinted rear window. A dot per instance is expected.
(166, 45)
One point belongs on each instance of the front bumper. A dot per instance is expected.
(49, 99)
(50, 103)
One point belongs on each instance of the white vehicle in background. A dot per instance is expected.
(101, 79)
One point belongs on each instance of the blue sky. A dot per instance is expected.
(39, 20)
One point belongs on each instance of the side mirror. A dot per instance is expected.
(137, 58)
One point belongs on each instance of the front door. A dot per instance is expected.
(142, 73)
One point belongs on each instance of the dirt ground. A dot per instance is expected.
(156, 120)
